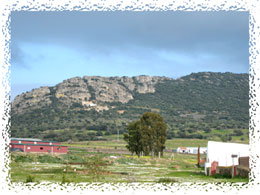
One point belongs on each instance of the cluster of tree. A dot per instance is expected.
(73, 136)
(147, 135)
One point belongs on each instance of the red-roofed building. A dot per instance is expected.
(36, 145)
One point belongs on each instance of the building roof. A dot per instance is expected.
(25, 139)
(227, 146)
(37, 144)
(196, 147)
(31, 139)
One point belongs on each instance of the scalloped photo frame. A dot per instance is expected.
(253, 7)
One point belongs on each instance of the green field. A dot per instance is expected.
(109, 161)
(112, 142)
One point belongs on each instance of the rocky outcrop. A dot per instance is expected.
(37, 98)
(89, 92)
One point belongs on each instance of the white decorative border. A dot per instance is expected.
(252, 6)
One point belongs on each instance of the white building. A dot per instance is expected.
(226, 154)
(182, 150)
(203, 150)
(88, 103)
(191, 150)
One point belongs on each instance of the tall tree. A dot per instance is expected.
(146, 135)
(133, 138)
(153, 133)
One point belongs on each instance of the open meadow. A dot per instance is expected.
(110, 161)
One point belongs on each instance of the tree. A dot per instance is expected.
(133, 138)
(99, 133)
(238, 132)
(147, 135)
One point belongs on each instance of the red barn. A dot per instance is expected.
(35, 145)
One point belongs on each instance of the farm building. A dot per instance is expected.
(191, 150)
(182, 150)
(220, 154)
(36, 145)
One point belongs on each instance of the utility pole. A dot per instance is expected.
(117, 134)
(226, 133)
(199, 156)
(117, 130)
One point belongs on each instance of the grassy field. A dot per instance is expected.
(113, 143)
(109, 161)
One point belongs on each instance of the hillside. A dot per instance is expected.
(200, 105)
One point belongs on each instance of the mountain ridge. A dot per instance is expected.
(87, 88)
(191, 105)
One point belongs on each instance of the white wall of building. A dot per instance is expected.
(203, 150)
(222, 152)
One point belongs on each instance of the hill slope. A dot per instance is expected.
(200, 105)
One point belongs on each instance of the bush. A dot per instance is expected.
(73, 159)
(219, 176)
(99, 133)
(238, 132)
(207, 130)
(108, 133)
(167, 180)
(96, 166)
(64, 179)
(23, 158)
(49, 159)
(51, 136)
(76, 105)
(29, 178)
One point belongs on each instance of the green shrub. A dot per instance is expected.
(29, 178)
(95, 166)
(23, 158)
(49, 159)
(73, 159)
(219, 176)
(64, 179)
(167, 180)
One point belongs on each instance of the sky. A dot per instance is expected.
(49, 47)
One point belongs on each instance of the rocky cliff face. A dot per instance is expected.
(89, 92)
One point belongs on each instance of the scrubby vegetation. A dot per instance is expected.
(83, 163)
(201, 105)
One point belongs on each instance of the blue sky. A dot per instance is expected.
(49, 47)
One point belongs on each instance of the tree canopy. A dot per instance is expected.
(147, 135)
